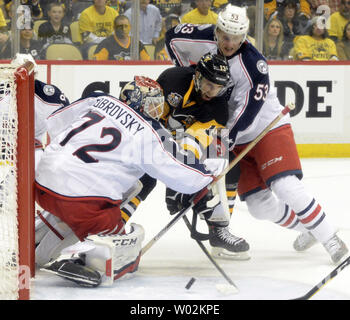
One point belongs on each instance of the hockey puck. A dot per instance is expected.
(190, 283)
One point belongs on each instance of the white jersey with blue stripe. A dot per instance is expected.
(253, 102)
(47, 99)
(100, 147)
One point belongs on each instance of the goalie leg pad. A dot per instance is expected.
(116, 255)
(52, 244)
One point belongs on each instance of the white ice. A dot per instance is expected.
(274, 272)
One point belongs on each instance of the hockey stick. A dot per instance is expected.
(325, 280)
(204, 249)
(198, 196)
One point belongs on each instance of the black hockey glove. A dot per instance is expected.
(176, 201)
(201, 207)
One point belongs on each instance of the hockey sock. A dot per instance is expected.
(231, 192)
(129, 208)
(305, 208)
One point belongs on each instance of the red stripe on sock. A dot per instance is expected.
(312, 215)
(290, 219)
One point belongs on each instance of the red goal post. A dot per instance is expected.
(17, 205)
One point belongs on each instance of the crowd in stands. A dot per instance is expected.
(314, 30)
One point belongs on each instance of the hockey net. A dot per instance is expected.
(16, 181)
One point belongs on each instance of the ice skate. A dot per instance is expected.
(304, 241)
(226, 245)
(336, 248)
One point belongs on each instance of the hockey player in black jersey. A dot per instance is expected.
(195, 110)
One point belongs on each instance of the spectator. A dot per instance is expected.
(5, 44)
(274, 47)
(66, 4)
(96, 24)
(34, 5)
(117, 45)
(251, 31)
(334, 5)
(219, 4)
(315, 46)
(287, 14)
(55, 30)
(117, 5)
(3, 23)
(150, 22)
(202, 14)
(316, 8)
(271, 7)
(338, 20)
(27, 44)
(167, 7)
(78, 6)
(343, 46)
(170, 21)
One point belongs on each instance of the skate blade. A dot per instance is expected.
(220, 253)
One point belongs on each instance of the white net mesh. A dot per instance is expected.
(8, 185)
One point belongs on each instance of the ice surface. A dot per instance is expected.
(274, 272)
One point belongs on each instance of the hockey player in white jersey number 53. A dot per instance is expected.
(270, 179)
(99, 149)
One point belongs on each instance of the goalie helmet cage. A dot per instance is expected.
(17, 206)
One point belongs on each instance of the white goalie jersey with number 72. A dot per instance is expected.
(100, 147)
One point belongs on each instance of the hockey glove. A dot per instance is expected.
(176, 201)
(216, 165)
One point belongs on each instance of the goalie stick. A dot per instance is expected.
(199, 195)
(325, 280)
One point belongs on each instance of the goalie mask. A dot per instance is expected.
(145, 95)
(212, 75)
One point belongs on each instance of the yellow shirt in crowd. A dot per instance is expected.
(195, 17)
(2, 20)
(99, 24)
(336, 25)
(306, 47)
(219, 3)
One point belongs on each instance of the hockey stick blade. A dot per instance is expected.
(216, 265)
(325, 280)
(199, 195)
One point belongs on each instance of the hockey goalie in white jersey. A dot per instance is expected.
(47, 99)
(272, 192)
(99, 149)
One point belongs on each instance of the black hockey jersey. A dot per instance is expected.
(184, 104)
(194, 121)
